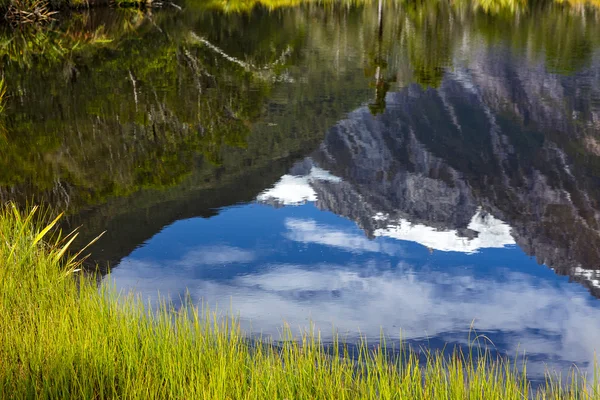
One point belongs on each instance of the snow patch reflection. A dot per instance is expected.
(294, 190)
(490, 233)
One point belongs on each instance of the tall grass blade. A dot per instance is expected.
(24, 226)
(44, 231)
(64, 248)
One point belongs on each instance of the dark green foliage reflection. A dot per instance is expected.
(106, 103)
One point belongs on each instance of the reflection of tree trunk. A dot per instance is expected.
(195, 67)
(134, 83)
(60, 191)
(246, 65)
(58, 197)
(380, 84)
(380, 19)
(379, 38)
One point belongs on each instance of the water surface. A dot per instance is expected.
(420, 170)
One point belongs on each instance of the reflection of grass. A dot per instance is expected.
(29, 12)
(497, 6)
(581, 3)
(62, 338)
(240, 6)
(2, 95)
(26, 46)
(40, 11)
(131, 3)
(38, 46)
(489, 6)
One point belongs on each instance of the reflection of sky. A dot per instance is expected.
(300, 264)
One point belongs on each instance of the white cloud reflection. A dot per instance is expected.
(215, 255)
(192, 259)
(556, 322)
(309, 231)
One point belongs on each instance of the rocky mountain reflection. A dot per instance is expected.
(498, 144)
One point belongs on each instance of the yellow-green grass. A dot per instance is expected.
(62, 336)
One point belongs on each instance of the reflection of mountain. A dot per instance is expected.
(331, 193)
(148, 134)
(509, 138)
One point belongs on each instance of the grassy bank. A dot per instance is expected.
(63, 338)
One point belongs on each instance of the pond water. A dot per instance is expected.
(420, 170)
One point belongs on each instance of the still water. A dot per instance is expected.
(413, 169)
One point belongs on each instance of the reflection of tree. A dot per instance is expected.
(112, 114)
(564, 35)
(133, 119)
(561, 35)
(429, 33)
(140, 116)
(380, 64)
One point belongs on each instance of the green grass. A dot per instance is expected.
(63, 337)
